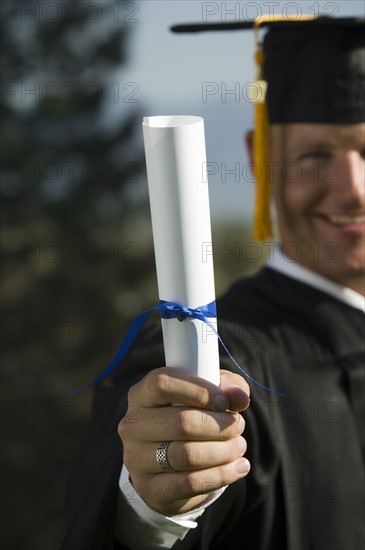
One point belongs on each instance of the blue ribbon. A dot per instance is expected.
(169, 310)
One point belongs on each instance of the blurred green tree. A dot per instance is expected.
(76, 249)
(77, 260)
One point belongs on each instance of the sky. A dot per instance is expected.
(206, 74)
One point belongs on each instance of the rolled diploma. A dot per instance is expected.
(179, 202)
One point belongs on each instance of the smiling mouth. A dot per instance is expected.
(342, 219)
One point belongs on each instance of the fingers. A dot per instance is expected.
(181, 424)
(187, 455)
(169, 385)
(177, 492)
(205, 449)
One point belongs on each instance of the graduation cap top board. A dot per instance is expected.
(309, 70)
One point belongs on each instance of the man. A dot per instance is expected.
(295, 480)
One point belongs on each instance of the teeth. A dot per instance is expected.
(340, 219)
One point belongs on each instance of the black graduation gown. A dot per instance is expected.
(305, 490)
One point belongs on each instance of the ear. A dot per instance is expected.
(249, 144)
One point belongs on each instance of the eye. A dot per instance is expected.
(318, 156)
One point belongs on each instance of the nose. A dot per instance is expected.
(351, 179)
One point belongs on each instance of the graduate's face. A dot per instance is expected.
(319, 192)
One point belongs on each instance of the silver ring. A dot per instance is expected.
(161, 456)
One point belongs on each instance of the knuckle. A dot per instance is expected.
(158, 382)
(187, 455)
(202, 396)
(233, 424)
(125, 427)
(185, 423)
(195, 483)
(122, 429)
(192, 484)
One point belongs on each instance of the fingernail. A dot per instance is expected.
(242, 466)
(220, 403)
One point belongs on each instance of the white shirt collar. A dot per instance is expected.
(280, 262)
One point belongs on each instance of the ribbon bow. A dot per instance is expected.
(169, 310)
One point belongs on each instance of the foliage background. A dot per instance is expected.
(76, 251)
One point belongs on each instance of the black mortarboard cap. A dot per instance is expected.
(311, 70)
(315, 69)
(316, 73)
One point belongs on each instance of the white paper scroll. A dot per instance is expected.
(179, 200)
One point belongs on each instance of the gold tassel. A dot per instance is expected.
(262, 216)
